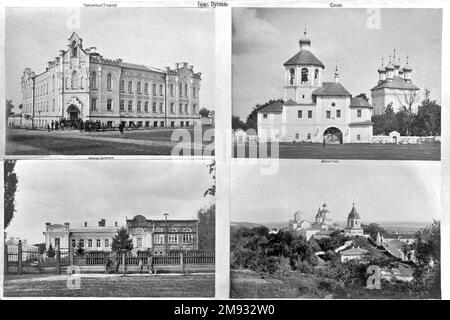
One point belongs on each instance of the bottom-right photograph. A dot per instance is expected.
(336, 230)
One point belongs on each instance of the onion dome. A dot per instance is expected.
(304, 41)
(381, 69)
(396, 64)
(407, 67)
(353, 214)
(298, 215)
(390, 67)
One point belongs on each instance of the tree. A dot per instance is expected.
(207, 228)
(373, 229)
(9, 108)
(212, 171)
(50, 251)
(408, 100)
(80, 248)
(237, 123)
(122, 241)
(362, 95)
(10, 186)
(204, 112)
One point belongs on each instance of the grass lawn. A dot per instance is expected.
(110, 286)
(149, 142)
(360, 151)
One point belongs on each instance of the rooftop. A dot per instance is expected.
(331, 89)
(304, 57)
(396, 83)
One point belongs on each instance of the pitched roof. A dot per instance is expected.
(290, 102)
(354, 251)
(276, 106)
(331, 89)
(353, 214)
(396, 83)
(361, 123)
(304, 57)
(138, 67)
(359, 102)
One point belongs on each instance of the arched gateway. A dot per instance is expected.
(73, 112)
(332, 135)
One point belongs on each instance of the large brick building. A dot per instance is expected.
(81, 84)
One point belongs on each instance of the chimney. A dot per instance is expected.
(85, 224)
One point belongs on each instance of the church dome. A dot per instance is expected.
(381, 69)
(407, 68)
(396, 64)
(353, 214)
(305, 41)
(390, 67)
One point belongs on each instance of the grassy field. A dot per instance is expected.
(110, 286)
(360, 151)
(139, 142)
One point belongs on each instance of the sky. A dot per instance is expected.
(264, 39)
(382, 191)
(156, 37)
(76, 191)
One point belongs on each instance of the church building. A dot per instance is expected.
(80, 83)
(314, 110)
(395, 87)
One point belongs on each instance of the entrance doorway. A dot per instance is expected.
(332, 135)
(73, 112)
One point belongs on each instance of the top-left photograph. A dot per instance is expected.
(109, 81)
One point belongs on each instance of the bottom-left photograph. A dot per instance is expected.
(128, 228)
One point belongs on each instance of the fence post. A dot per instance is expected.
(150, 264)
(19, 257)
(58, 260)
(123, 262)
(6, 259)
(182, 262)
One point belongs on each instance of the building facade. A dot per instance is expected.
(395, 88)
(314, 110)
(81, 84)
(157, 236)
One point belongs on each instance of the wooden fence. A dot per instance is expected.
(182, 261)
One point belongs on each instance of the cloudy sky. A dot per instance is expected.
(155, 37)
(264, 39)
(383, 191)
(77, 191)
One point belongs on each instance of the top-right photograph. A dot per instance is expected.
(337, 83)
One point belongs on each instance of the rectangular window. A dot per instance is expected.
(187, 238)
(139, 124)
(90, 243)
(310, 114)
(161, 107)
(147, 124)
(130, 105)
(194, 108)
(172, 109)
(160, 89)
(358, 137)
(53, 105)
(297, 136)
(154, 89)
(74, 243)
(155, 123)
(172, 238)
(358, 113)
(106, 243)
(338, 113)
(186, 108)
(81, 242)
(139, 242)
(193, 92)
(299, 114)
(328, 114)
(309, 135)
(180, 108)
(94, 104)
(265, 115)
(161, 124)
(158, 238)
(154, 107)
(122, 105)
(139, 106)
(109, 104)
(57, 242)
(172, 124)
(146, 106)
(99, 243)
(182, 124)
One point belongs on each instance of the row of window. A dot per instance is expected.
(43, 106)
(328, 114)
(90, 243)
(182, 108)
(304, 76)
(173, 238)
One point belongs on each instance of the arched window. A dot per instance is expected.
(122, 85)
(193, 92)
(94, 80)
(146, 88)
(74, 80)
(139, 87)
(171, 89)
(53, 83)
(291, 76)
(316, 76)
(185, 90)
(67, 82)
(109, 82)
(304, 75)
(74, 49)
(81, 82)
(154, 89)
(130, 86)
(180, 90)
(160, 89)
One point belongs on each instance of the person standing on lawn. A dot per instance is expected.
(121, 129)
